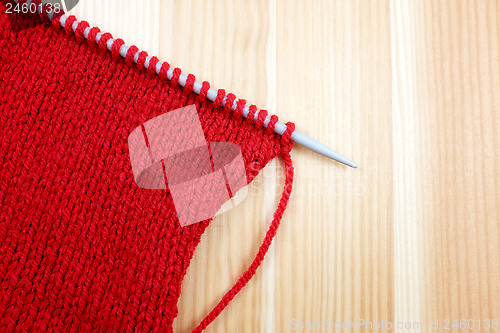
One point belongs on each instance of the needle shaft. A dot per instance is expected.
(320, 148)
(279, 128)
(64, 6)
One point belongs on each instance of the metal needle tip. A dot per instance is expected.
(296, 136)
(320, 148)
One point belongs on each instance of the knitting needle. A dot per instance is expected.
(320, 148)
(63, 2)
(279, 128)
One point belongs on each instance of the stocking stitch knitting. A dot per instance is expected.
(82, 247)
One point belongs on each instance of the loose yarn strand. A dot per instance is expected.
(264, 247)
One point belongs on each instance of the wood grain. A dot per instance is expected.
(335, 249)
(410, 90)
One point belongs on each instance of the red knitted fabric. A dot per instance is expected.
(82, 247)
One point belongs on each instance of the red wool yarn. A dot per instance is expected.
(82, 247)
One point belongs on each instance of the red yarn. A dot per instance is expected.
(175, 76)
(68, 24)
(221, 93)
(152, 65)
(229, 102)
(163, 71)
(272, 123)
(81, 29)
(240, 105)
(204, 90)
(250, 272)
(129, 57)
(188, 87)
(261, 117)
(92, 34)
(141, 60)
(83, 248)
(115, 48)
(252, 109)
(103, 41)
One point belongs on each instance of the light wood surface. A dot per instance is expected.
(410, 90)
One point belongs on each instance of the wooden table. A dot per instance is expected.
(410, 90)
